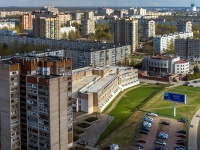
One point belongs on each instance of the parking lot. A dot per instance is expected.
(152, 137)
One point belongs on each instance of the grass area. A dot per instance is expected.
(77, 131)
(91, 119)
(83, 125)
(198, 136)
(126, 105)
(75, 138)
(158, 105)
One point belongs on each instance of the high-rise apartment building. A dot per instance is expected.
(46, 23)
(147, 29)
(47, 27)
(184, 26)
(26, 23)
(88, 23)
(9, 106)
(41, 89)
(126, 32)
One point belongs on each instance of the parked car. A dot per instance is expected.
(148, 119)
(182, 141)
(141, 141)
(81, 142)
(165, 123)
(145, 129)
(139, 146)
(143, 132)
(179, 148)
(163, 135)
(152, 114)
(159, 148)
(182, 131)
(181, 135)
(183, 120)
(160, 143)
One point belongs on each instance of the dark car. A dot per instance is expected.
(181, 135)
(143, 132)
(179, 147)
(182, 131)
(81, 142)
(165, 123)
(159, 148)
(183, 120)
(141, 141)
(181, 141)
(145, 129)
(139, 146)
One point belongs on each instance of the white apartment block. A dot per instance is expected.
(137, 11)
(105, 11)
(187, 48)
(164, 65)
(147, 28)
(162, 43)
(66, 30)
(88, 23)
(95, 87)
(8, 25)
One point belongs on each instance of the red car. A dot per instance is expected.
(180, 143)
(141, 141)
(181, 135)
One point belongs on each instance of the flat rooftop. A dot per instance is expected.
(99, 84)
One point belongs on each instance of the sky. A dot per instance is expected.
(121, 3)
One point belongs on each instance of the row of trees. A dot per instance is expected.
(195, 75)
(17, 47)
(165, 29)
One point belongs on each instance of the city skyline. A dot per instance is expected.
(121, 3)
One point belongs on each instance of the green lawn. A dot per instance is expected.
(158, 105)
(128, 102)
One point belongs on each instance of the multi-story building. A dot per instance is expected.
(164, 65)
(88, 23)
(95, 87)
(137, 11)
(64, 18)
(26, 23)
(162, 43)
(10, 106)
(7, 25)
(184, 26)
(98, 57)
(147, 29)
(104, 11)
(187, 48)
(42, 88)
(47, 27)
(126, 32)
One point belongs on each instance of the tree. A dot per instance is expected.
(74, 35)
(170, 48)
(64, 35)
(196, 69)
(77, 26)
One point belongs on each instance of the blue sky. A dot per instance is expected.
(129, 3)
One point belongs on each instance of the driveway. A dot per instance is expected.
(193, 131)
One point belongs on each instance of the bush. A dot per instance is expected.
(83, 125)
(75, 138)
(77, 131)
(91, 119)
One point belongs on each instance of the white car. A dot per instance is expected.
(152, 114)
(160, 143)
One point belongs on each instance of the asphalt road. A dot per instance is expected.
(193, 131)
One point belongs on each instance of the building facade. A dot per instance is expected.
(88, 23)
(126, 32)
(47, 27)
(162, 43)
(94, 88)
(98, 57)
(184, 26)
(147, 29)
(45, 116)
(164, 65)
(187, 48)
(26, 23)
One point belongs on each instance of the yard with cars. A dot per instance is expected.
(156, 105)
